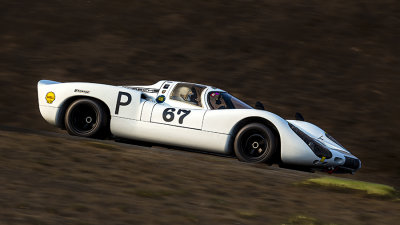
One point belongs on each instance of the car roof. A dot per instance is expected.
(211, 88)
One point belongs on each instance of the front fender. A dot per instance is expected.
(293, 149)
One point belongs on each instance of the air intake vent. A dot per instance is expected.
(351, 163)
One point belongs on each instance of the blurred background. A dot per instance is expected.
(337, 62)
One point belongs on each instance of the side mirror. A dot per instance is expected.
(298, 116)
(259, 106)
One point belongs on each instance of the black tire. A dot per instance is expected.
(255, 143)
(87, 118)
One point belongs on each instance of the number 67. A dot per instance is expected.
(168, 114)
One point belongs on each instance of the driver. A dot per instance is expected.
(185, 94)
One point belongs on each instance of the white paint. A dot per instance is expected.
(202, 128)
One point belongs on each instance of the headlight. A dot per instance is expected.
(318, 148)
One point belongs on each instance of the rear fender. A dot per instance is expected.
(55, 97)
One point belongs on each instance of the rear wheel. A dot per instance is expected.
(86, 118)
(255, 143)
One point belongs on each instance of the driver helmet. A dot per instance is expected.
(185, 93)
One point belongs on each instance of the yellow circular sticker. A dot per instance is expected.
(50, 97)
(160, 99)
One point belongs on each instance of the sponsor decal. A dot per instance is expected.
(148, 90)
(81, 91)
(50, 97)
(163, 92)
(160, 99)
(166, 86)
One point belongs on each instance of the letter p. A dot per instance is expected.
(119, 103)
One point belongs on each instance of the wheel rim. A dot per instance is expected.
(84, 118)
(254, 145)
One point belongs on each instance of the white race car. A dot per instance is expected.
(193, 116)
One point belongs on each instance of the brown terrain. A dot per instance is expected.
(336, 62)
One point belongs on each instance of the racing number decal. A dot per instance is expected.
(120, 103)
(185, 113)
(168, 114)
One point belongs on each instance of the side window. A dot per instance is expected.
(223, 100)
(216, 101)
(187, 93)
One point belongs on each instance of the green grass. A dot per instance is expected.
(246, 214)
(367, 187)
(304, 220)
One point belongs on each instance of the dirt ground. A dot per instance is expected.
(336, 62)
(49, 179)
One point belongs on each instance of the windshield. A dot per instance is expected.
(223, 100)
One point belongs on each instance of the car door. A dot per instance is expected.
(177, 116)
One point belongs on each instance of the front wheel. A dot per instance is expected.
(86, 118)
(255, 143)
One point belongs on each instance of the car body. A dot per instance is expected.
(192, 116)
